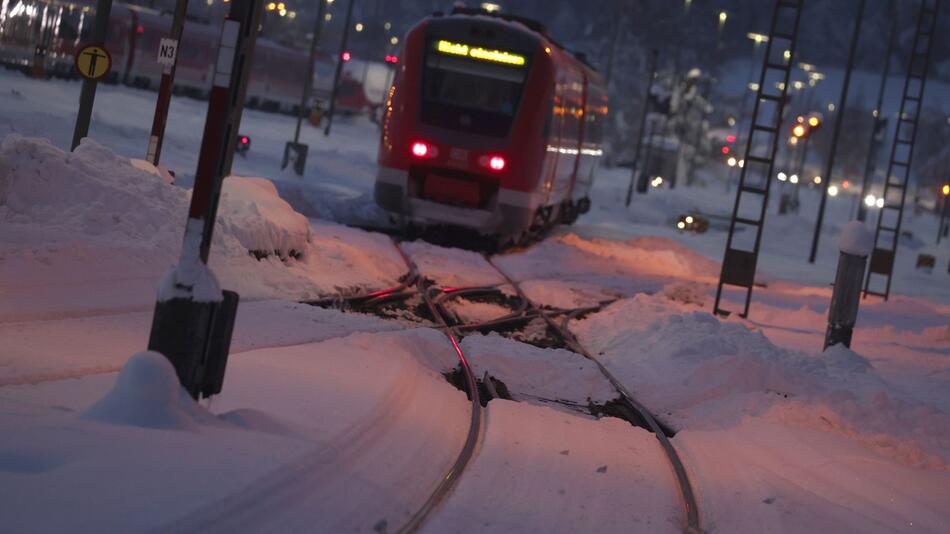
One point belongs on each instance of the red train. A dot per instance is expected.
(489, 125)
(42, 36)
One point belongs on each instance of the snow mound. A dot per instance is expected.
(856, 239)
(161, 171)
(147, 394)
(261, 220)
(710, 374)
(93, 191)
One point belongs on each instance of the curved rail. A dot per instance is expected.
(451, 477)
(687, 494)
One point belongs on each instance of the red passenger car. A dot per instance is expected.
(490, 125)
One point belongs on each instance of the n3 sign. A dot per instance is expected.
(167, 50)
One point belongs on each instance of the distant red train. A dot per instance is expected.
(43, 35)
(490, 125)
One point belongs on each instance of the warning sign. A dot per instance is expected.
(167, 50)
(93, 62)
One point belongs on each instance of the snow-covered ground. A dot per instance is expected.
(333, 422)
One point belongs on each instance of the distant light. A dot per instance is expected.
(491, 7)
(793, 178)
(346, 56)
(874, 114)
(547, 50)
(741, 163)
(725, 150)
(817, 179)
(879, 203)
(359, 26)
(832, 191)
(946, 190)
(845, 184)
(657, 182)
(798, 130)
(328, 17)
(757, 37)
(722, 17)
(731, 161)
(681, 225)
(292, 14)
(793, 140)
(282, 12)
(731, 121)
(394, 40)
(787, 54)
(870, 201)
(689, 219)
(813, 121)
(731, 138)
(387, 25)
(782, 177)
(271, 6)
(753, 86)
(798, 84)
(831, 106)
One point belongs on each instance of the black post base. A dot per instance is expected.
(295, 153)
(196, 339)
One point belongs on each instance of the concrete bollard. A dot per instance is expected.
(855, 246)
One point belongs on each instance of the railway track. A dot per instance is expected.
(434, 307)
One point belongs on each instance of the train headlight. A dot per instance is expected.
(496, 163)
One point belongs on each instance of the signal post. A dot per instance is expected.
(168, 57)
(93, 62)
(193, 318)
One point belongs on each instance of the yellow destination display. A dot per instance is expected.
(476, 52)
(93, 62)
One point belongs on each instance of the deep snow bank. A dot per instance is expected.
(90, 230)
(705, 374)
(96, 192)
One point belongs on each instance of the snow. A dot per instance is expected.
(452, 267)
(533, 373)
(540, 470)
(147, 394)
(856, 239)
(702, 373)
(343, 422)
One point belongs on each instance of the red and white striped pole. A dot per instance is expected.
(193, 317)
(168, 53)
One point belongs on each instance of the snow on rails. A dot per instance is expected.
(423, 297)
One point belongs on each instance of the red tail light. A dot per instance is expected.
(496, 163)
(423, 150)
(346, 56)
(420, 149)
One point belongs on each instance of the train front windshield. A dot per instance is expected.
(471, 89)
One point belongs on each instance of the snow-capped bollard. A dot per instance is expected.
(194, 318)
(855, 246)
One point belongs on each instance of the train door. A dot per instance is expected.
(553, 128)
(569, 145)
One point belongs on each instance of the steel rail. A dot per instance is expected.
(687, 494)
(454, 473)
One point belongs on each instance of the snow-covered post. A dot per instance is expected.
(855, 246)
(193, 317)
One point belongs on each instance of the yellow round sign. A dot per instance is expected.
(93, 62)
